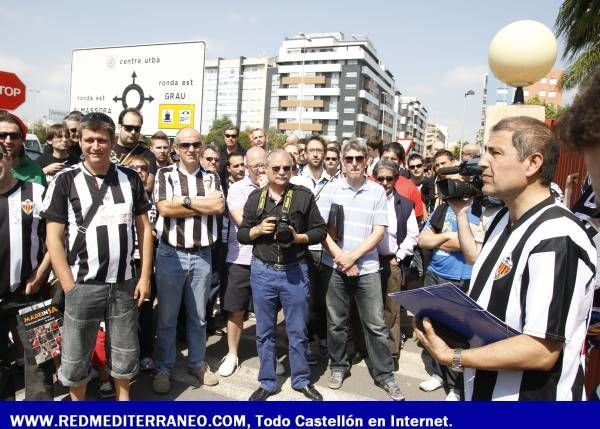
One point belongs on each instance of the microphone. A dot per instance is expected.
(447, 170)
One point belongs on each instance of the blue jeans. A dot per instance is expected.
(188, 274)
(366, 291)
(292, 288)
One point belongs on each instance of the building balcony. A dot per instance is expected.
(305, 126)
(295, 80)
(305, 103)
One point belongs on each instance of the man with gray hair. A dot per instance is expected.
(280, 220)
(353, 264)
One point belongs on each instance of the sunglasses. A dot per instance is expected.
(13, 136)
(415, 166)
(130, 128)
(195, 145)
(382, 179)
(231, 136)
(138, 167)
(351, 159)
(73, 131)
(329, 158)
(277, 168)
(211, 158)
(102, 117)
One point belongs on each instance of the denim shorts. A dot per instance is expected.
(86, 305)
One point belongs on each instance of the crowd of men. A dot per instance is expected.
(134, 236)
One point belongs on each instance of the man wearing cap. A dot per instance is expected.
(15, 131)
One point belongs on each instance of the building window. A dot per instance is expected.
(552, 94)
(350, 74)
(350, 98)
(544, 80)
(553, 81)
(350, 123)
(351, 86)
(542, 93)
(348, 110)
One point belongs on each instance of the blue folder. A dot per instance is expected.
(449, 306)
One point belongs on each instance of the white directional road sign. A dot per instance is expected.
(164, 81)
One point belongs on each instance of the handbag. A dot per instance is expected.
(335, 222)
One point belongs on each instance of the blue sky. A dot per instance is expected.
(435, 49)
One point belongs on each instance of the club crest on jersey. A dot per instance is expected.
(504, 268)
(27, 206)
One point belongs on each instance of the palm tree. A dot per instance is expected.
(578, 23)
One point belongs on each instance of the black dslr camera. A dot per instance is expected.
(283, 233)
(456, 189)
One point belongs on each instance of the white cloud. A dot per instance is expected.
(466, 75)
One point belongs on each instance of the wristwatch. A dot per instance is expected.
(456, 365)
(187, 202)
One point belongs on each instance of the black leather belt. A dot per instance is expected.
(282, 267)
(194, 249)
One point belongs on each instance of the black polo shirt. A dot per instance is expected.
(304, 216)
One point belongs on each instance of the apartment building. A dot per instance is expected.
(325, 83)
(546, 89)
(238, 88)
(412, 122)
(433, 133)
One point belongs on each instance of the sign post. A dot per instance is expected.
(12, 91)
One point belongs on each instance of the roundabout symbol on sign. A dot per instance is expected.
(133, 87)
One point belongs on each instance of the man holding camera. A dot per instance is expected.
(281, 220)
(447, 265)
(534, 273)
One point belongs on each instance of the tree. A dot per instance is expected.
(215, 135)
(578, 23)
(39, 129)
(276, 139)
(552, 111)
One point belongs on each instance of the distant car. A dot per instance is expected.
(33, 147)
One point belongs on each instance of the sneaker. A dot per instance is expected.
(434, 383)
(279, 369)
(161, 383)
(393, 390)
(204, 375)
(336, 379)
(106, 390)
(146, 364)
(453, 395)
(311, 358)
(228, 365)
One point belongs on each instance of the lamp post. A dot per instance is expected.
(462, 130)
(382, 101)
(301, 101)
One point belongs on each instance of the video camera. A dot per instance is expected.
(457, 189)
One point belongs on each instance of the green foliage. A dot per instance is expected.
(244, 139)
(276, 139)
(456, 149)
(578, 24)
(39, 129)
(552, 111)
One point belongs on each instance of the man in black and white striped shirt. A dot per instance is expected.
(22, 271)
(97, 278)
(535, 272)
(188, 200)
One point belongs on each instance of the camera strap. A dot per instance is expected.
(287, 201)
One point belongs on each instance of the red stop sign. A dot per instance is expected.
(12, 91)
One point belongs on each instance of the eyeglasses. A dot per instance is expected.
(73, 131)
(99, 116)
(195, 145)
(211, 158)
(314, 150)
(330, 158)
(277, 168)
(351, 159)
(132, 128)
(415, 166)
(257, 166)
(231, 136)
(13, 136)
(138, 167)
(382, 179)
